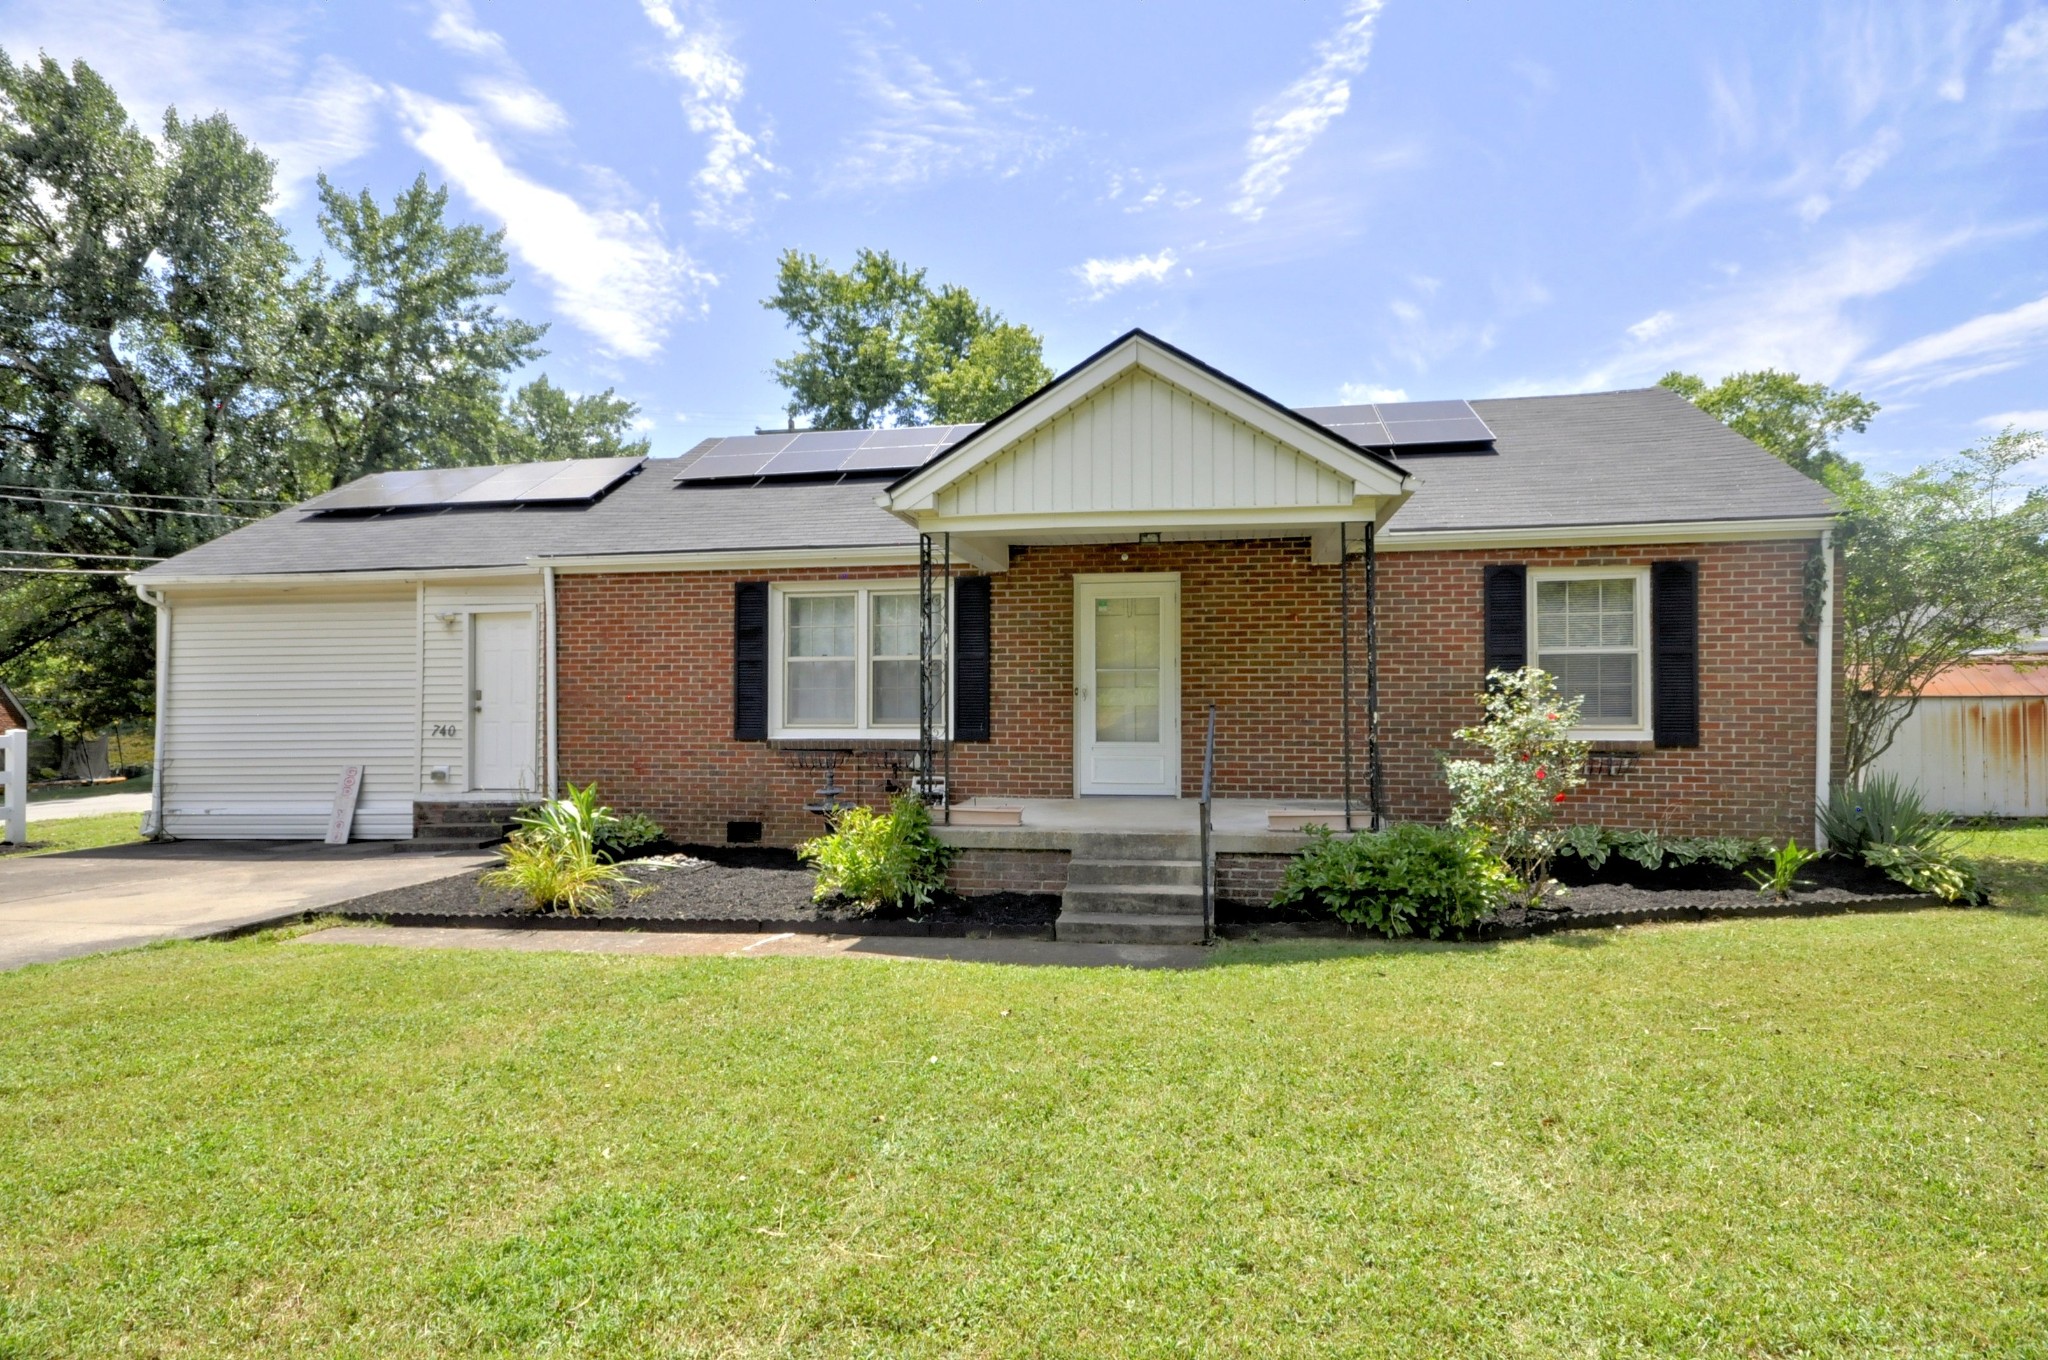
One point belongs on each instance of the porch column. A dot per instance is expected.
(934, 752)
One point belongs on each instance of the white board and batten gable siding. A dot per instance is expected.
(1142, 443)
(271, 697)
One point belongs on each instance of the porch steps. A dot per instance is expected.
(1133, 888)
(449, 826)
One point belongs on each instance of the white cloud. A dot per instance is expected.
(608, 268)
(927, 127)
(1807, 318)
(455, 28)
(1286, 128)
(307, 115)
(1104, 277)
(1651, 326)
(2022, 59)
(1360, 394)
(1988, 343)
(714, 81)
(515, 105)
(2025, 420)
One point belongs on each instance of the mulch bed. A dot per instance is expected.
(764, 890)
(735, 888)
(1624, 893)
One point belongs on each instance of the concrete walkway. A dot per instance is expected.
(58, 906)
(95, 805)
(684, 944)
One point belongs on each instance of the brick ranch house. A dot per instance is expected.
(729, 639)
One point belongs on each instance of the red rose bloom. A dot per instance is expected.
(1558, 799)
(1539, 771)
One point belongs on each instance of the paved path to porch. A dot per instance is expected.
(671, 944)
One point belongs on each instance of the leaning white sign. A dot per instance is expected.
(345, 794)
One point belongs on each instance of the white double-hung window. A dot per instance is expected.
(848, 660)
(1589, 627)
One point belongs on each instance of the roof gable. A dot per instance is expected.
(1140, 427)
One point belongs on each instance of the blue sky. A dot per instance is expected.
(1329, 200)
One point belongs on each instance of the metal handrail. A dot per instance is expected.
(1208, 847)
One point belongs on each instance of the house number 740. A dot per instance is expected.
(444, 729)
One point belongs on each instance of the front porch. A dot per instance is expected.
(1238, 825)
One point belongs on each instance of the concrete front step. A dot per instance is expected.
(1169, 899)
(1137, 845)
(1116, 928)
(1135, 872)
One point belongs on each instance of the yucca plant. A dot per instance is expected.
(552, 859)
(1882, 810)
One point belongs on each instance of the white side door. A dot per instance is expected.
(1127, 684)
(502, 688)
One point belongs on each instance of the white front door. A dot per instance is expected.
(1127, 684)
(502, 686)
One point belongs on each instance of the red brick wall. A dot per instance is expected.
(646, 686)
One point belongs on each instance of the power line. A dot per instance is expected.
(69, 571)
(100, 557)
(132, 509)
(141, 495)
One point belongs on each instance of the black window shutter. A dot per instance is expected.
(970, 658)
(1507, 618)
(750, 661)
(1675, 654)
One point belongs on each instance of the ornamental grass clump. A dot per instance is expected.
(552, 860)
(1513, 796)
(879, 859)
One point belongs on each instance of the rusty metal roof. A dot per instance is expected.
(1991, 678)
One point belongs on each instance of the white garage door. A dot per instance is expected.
(269, 698)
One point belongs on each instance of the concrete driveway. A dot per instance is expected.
(58, 906)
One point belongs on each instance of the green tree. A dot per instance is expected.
(1940, 563)
(880, 345)
(404, 353)
(544, 422)
(1798, 421)
(146, 303)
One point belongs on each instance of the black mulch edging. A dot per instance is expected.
(1623, 893)
(749, 889)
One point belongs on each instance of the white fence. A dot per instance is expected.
(1984, 756)
(14, 786)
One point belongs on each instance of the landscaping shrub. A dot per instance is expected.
(879, 859)
(1512, 797)
(1786, 862)
(1593, 844)
(1883, 822)
(1407, 880)
(552, 858)
(627, 831)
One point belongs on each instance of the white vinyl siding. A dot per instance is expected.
(1143, 444)
(270, 696)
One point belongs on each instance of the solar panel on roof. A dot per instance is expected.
(1403, 424)
(819, 453)
(581, 479)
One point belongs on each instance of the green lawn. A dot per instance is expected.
(1770, 1138)
(139, 784)
(78, 833)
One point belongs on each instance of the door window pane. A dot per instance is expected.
(821, 660)
(1127, 647)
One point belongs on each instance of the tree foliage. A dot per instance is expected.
(880, 345)
(168, 368)
(1798, 421)
(1940, 563)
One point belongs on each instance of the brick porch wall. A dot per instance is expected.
(645, 704)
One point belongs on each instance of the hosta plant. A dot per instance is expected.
(1513, 794)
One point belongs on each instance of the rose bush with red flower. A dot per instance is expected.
(1511, 793)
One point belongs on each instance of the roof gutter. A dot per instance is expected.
(153, 824)
(1397, 539)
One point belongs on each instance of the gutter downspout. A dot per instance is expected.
(153, 824)
(1824, 738)
(547, 579)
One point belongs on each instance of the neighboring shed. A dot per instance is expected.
(1977, 742)
(12, 713)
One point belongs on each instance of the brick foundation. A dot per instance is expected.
(976, 872)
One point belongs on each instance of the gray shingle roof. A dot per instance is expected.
(1645, 456)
